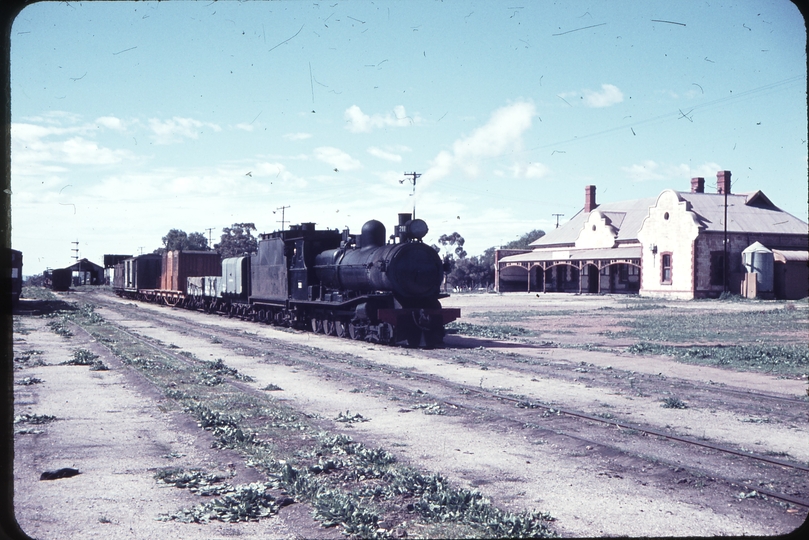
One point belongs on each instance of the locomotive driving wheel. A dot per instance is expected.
(356, 332)
(341, 328)
(317, 325)
(329, 327)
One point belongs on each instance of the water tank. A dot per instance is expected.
(758, 260)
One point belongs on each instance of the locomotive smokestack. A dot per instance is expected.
(401, 230)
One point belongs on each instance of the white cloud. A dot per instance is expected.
(609, 95)
(245, 127)
(110, 122)
(678, 175)
(529, 170)
(174, 130)
(297, 136)
(383, 154)
(359, 122)
(501, 134)
(336, 158)
(31, 148)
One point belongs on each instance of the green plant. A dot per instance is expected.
(673, 403)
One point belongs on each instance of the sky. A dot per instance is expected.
(133, 118)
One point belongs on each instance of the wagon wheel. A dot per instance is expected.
(171, 301)
(317, 325)
(329, 327)
(341, 328)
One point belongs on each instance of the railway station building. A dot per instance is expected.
(680, 244)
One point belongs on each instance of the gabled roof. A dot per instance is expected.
(747, 212)
(84, 264)
(625, 216)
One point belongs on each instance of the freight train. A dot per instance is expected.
(364, 287)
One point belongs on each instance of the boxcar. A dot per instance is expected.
(178, 266)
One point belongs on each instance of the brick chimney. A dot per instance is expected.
(723, 182)
(589, 198)
(698, 185)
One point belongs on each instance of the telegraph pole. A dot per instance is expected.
(209, 229)
(414, 176)
(282, 208)
(76, 256)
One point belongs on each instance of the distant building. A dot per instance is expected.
(675, 245)
(82, 272)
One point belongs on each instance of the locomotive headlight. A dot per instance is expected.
(417, 228)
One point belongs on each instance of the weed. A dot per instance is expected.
(350, 418)
(242, 503)
(82, 357)
(60, 327)
(491, 332)
(272, 388)
(673, 403)
(195, 480)
(28, 381)
(34, 419)
(25, 359)
(429, 408)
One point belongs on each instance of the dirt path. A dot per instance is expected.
(117, 431)
(590, 490)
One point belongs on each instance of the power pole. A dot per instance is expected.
(414, 176)
(209, 229)
(282, 208)
(76, 256)
(557, 216)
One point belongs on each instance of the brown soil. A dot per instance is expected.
(117, 430)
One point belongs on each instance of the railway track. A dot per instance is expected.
(239, 339)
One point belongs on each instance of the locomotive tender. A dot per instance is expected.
(360, 287)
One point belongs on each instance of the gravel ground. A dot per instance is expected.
(118, 430)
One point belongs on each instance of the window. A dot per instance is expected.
(717, 268)
(665, 268)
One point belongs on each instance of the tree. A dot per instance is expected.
(524, 241)
(453, 244)
(237, 240)
(178, 239)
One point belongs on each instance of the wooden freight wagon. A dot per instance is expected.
(178, 266)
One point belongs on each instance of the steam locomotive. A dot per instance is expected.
(365, 287)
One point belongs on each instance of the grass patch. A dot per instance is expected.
(720, 326)
(500, 317)
(491, 332)
(790, 359)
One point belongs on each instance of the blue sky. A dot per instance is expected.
(132, 118)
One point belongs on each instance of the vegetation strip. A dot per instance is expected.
(362, 490)
(521, 402)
